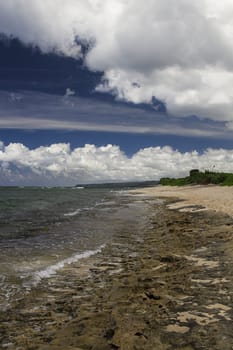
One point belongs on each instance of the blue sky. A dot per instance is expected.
(82, 73)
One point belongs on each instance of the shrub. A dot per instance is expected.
(202, 178)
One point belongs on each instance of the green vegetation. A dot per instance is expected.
(197, 177)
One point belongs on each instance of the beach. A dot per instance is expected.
(165, 283)
(211, 197)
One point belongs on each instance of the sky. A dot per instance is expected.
(114, 90)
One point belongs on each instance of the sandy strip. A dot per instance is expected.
(211, 197)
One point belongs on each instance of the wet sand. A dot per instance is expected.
(167, 286)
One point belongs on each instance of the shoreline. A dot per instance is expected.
(194, 198)
(167, 286)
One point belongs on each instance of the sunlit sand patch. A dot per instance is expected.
(113, 272)
(223, 292)
(211, 281)
(176, 328)
(159, 267)
(201, 262)
(186, 208)
(202, 319)
(222, 310)
(201, 250)
(201, 281)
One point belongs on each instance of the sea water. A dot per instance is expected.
(44, 229)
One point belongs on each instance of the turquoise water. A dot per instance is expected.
(42, 229)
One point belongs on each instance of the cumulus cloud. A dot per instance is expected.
(180, 52)
(58, 164)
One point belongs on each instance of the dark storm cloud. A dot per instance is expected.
(33, 110)
(180, 52)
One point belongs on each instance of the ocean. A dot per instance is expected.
(44, 229)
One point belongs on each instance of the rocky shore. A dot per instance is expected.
(168, 287)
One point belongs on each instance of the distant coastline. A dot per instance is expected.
(197, 177)
(120, 185)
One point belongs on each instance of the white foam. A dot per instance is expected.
(73, 213)
(105, 203)
(121, 192)
(77, 211)
(52, 270)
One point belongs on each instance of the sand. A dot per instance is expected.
(166, 285)
(195, 198)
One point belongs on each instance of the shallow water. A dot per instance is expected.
(44, 229)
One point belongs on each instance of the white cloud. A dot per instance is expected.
(206, 92)
(181, 51)
(59, 165)
(69, 92)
